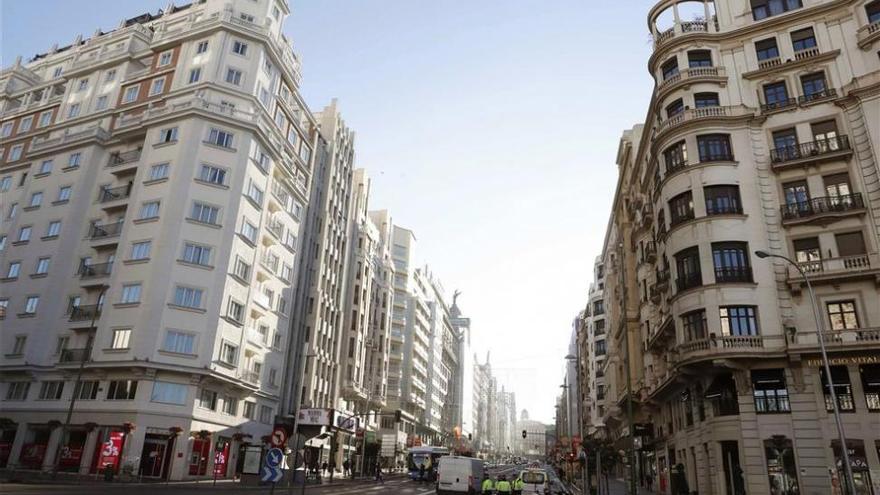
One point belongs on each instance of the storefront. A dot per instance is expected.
(7, 437)
(33, 450)
(157, 453)
(72, 448)
(858, 461)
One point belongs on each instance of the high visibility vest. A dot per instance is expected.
(487, 485)
(518, 484)
(503, 486)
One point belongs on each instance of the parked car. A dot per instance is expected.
(460, 475)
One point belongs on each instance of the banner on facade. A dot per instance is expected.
(221, 458)
(843, 360)
(70, 456)
(315, 417)
(111, 449)
(345, 422)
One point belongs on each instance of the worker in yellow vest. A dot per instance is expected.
(503, 486)
(488, 486)
(518, 486)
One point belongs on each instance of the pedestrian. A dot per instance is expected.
(379, 472)
(324, 468)
(503, 486)
(488, 486)
(518, 486)
(332, 469)
(346, 466)
(421, 473)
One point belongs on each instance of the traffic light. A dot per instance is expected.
(397, 416)
(525, 434)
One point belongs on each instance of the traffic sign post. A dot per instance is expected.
(272, 471)
(279, 437)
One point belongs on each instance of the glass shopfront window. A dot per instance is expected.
(855, 449)
(781, 468)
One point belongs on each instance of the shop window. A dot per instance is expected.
(781, 468)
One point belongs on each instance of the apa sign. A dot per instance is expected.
(111, 450)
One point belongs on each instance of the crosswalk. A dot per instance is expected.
(397, 486)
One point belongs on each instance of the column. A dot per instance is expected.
(52, 447)
(15, 453)
(89, 451)
(710, 26)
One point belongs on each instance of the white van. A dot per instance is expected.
(459, 475)
(535, 481)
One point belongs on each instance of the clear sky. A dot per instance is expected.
(489, 127)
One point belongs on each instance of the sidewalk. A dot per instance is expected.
(618, 487)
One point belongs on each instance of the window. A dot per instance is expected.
(235, 311)
(842, 388)
(266, 415)
(24, 234)
(61, 344)
(762, 9)
(212, 174)
(239, 48)
(850, 244)
(842, 315)
(230, 405)
(14, 269)
(86, 390)
(120, 338)
(197, 254)
(241, 269)
(110, 75)
(5, 183)
(179, 342)
(694, 325)
(149, 209)
(25, 124)
(82, 85)
(228, 353)
(714, 147)
(289, 240)
(722, 200)
(2, 242)
(195, 75)
(286, 272)
(731, 262)
(249, 410)
(205, 214)
(681, 208)
(674, 108)
(687, 264)
(838, 188)
(13, 210)
(291, 135)
(168, 135)
(15, 152)
(220, 138)
(122, 389)
(42, 266)
(208, 399)
(871, 383)
(249, 231)
(704, 100)
(19, 345)
(159, 171)
(600, 348)
(802, 39)
(738, 321)
(74, 160)
(131, 294)
(17, 390)
(131, 94)
(169, 393)
(807, 253)
(165, 58)
(255, 193)
(202, 47)
(73, 110)
(776, 95)
(769, 390)
(767, 49)
(670, 68)
(265, 97)
(36, 199)
(233, 76)
(45, 167)
(45, 118)
(188, 297)
(54, 228)
(140, 250)
(246, 17)
(6, 130)
(873, 11)
(814, 86)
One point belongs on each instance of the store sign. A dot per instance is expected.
(70, 456)
(111, 450)
(345, 421)
(844, 360)
(221, 458)
(315, 417)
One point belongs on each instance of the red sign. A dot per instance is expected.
(111, 450)
(70, 456)
(279, 437)
(32, 454)
(221, 458)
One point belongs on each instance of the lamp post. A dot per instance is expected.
(821, 337)
(577, 359)
(628, 363)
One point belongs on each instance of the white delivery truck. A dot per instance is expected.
(535, 482)
(460, 475)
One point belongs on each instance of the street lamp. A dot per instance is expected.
(821, 333)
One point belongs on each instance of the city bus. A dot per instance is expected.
(425, 455)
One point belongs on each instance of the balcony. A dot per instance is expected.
(85, 313)
(703, 114)
(835, 270)
(778, 106)
(868, 35)
(106, 232)
(275, 227)
(91, 274)
(836, 340)
(681, 28)
(825, 94)
(691, 75)
(123, 162)
(262, 300)
(689, 281)
(250, 376)
(255, 337)
(75, 355)
(727, 346)
(111, 198)
(655, 294)
(650, 252)
(662, 280)
(827, 207)
(727, 275)
(801, 58)
(804, 154)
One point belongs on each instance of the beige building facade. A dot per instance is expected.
(762, 134)
(153, 182)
